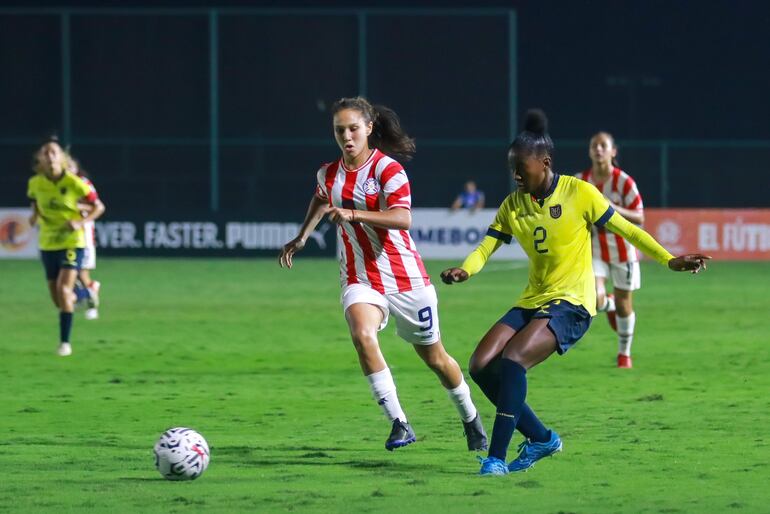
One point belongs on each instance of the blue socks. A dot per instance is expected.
(531, 427)
(488, 380)
(65, 326)
(510, 400)
(81, 292)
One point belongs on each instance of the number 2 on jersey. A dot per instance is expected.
(542, 234)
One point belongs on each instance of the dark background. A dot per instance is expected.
(682, 85)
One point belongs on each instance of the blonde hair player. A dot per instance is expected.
(367, 194)
(55, 194)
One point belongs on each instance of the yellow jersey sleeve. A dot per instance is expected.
(596, 207)
(599, 212)
(32, 188)
(639, 238)
(501, 227)
(479, 257)
(499, 232)
(81, 188)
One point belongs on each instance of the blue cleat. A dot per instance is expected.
(400, 435)
(530, 452)
(492, 466)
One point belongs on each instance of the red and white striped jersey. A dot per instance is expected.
(621, 190)
(384, 259)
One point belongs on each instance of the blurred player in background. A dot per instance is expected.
(472, 198)
(613, 256)
(367, 194)
(87, 289)
(550, 215)
(55, 194)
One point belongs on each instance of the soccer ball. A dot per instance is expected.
(181, 454)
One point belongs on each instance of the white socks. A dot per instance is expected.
(384, 392)
(609, 304)
(461, 397)
(625, 333)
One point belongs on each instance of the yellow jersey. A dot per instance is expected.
(57, 205)
(555, 233)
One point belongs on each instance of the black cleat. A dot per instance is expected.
(400, 435)
(475, 435)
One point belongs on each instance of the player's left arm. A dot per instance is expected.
(633, 215)
(397, 218)
(651, 248)
(601, 213)
(35, 214)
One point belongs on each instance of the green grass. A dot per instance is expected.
(259, 360)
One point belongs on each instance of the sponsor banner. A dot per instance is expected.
(727, 234)
(18, 240)
(207, 238)
(446, 234)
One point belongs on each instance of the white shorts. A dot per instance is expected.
(89, 258)
(416, 311)
(625, 275)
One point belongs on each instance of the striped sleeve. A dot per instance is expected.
(320, 188)
(395, 186)
(93, 195)
(631, 197)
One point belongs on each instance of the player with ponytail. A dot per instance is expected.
(367, 194)
(551, 216)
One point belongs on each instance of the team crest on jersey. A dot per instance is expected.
(63, 190)
(371, 186)
(555, 211)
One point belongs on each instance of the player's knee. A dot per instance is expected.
(476, 366)
(436, 361)
(364, 339)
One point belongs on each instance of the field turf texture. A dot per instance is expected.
(259, 360)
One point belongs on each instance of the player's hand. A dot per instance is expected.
(692, 262)
(288, 251)
(452, 275)
(75, 224)
(339, 215)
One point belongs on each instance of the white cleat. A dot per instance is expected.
(94, 291)
(91, 314)
(64, 350)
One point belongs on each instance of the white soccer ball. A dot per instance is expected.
(181, 454)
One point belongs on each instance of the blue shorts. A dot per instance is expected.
(56, 260)
(567, 322)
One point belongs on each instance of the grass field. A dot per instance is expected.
(258, 360)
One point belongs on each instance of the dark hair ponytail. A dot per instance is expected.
(534, 139)
(387, 134)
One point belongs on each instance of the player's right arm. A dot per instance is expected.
(315, 212)
(499, 232)
(35, 214)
